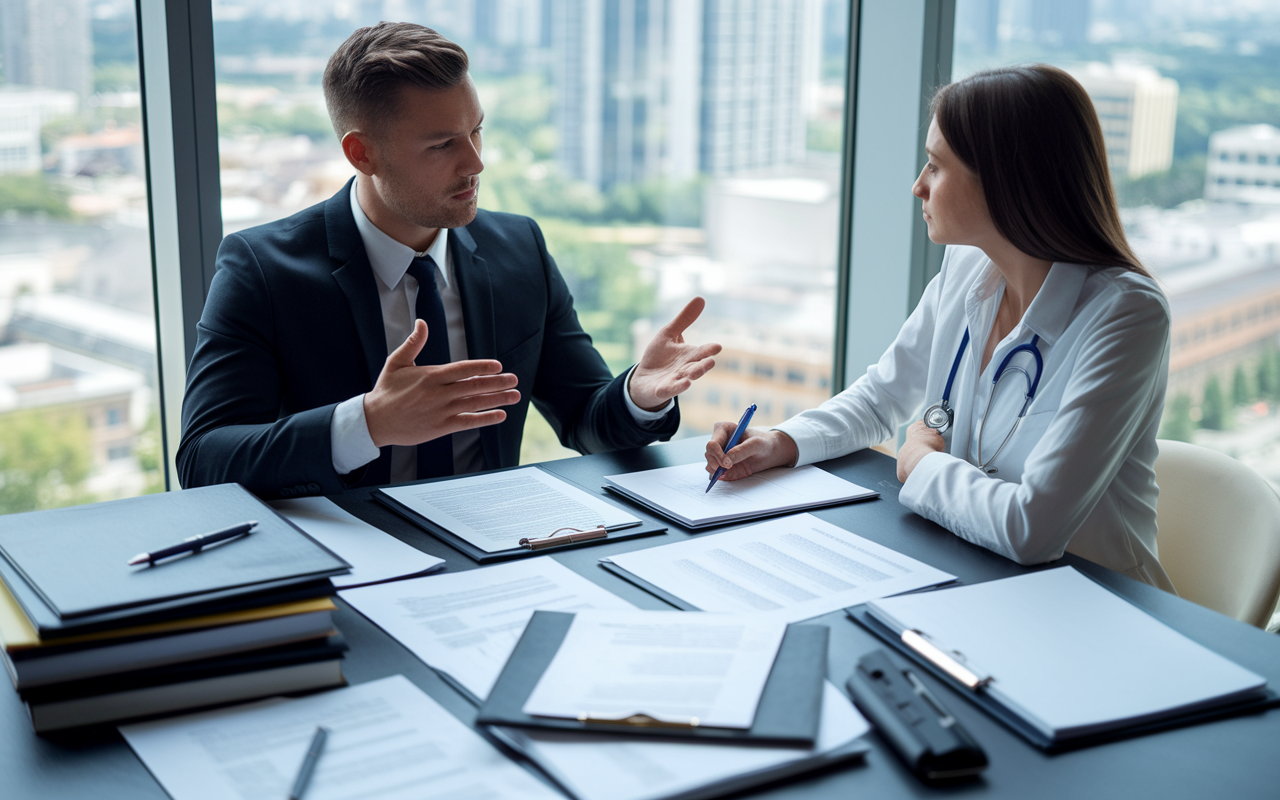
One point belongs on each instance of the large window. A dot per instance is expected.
(1187, 95)
(667, 149)
(78, 415)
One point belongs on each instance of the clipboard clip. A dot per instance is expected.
(638, 721)
(951, 662)
(557, 537)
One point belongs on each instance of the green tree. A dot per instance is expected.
(33, 194)
(1267, 377)
(1182, 182)
(1214, 410)
(1177, 423)
(44, 459)
(1241, 392)
(150, 455)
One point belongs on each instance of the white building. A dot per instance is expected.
(21, 115)
(1137, 108)
(1244, 165)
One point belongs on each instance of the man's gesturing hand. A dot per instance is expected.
(670, 365)
(410, 405)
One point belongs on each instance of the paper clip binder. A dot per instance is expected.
(951, 662)
(557, 538)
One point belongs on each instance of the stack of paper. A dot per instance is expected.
(680, 493)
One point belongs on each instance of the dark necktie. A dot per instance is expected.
(435, 458)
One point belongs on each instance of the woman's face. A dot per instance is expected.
(954, 207)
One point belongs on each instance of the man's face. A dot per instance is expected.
(428, 156)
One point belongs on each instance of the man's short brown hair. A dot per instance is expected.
(364, 75)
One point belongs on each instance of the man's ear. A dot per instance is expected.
(360, 152)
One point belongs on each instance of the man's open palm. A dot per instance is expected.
(669, 364)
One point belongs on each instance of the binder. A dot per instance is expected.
(788, 713)
(1180, 682)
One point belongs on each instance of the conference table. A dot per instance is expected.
(1237, 757)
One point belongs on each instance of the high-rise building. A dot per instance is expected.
(672, 88)
(1244, 165)
(1138, 109)
(1063, 23)
(22, 113)
(47, 45)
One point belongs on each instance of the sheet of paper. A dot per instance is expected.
(466, 624)
(1067, 654)
(374, 555)
(682, 492)
(613, 767)
(671, 666)
(387, 740)
(496, 510)
(795, 568)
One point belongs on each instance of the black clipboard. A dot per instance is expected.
(485, 557)
(1269, 699)
(788, 713)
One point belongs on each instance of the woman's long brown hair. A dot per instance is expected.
(1032, 137)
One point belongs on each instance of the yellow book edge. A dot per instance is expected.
(17, 632)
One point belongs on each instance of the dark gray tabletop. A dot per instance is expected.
(1235, 758)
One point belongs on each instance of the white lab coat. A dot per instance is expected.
(1078, 474)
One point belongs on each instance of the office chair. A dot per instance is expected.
(1219, 536)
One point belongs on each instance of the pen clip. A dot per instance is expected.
(556, 538)
(951, 662)
(637, 721)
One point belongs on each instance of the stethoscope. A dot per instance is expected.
(939, 416)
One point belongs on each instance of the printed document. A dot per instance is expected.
(496, 510)
(465, 624)
(672, 666)
(681, 493)
(794, 568)
(611, 766)
(387, 740)
(373, 554)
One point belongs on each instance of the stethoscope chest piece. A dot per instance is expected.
(938, 416)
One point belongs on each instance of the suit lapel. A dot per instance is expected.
(355, 278)
(476, 290)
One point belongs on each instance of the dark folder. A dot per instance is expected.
(69, 565)
(788, 713)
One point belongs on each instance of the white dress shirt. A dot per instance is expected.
(352, 446)
(1078, 473)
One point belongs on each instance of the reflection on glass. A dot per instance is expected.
(1186, 93)
(78, 420)
(667, 149)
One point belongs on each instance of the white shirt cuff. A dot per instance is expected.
(810, 443)
(638, 413)
(352, 446)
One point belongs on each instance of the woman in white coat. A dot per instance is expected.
(1035, 365)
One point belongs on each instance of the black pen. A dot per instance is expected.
(194, 544)
(309, 763)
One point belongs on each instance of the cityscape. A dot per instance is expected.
(667, 149)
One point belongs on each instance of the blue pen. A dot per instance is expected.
(737, 434)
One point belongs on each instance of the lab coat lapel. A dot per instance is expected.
(356, 280)
(476, 291)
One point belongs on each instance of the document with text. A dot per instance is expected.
(465, 624)
(374, 555)
(593, 766)
(675, 667)
(796, 568)
(680, 493)
(387, 740)
(494, 511)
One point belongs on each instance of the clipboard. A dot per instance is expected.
(969, 683)
(788, 714)
(568, 539)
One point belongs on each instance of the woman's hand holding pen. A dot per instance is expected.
(757, 450)
(921, 441)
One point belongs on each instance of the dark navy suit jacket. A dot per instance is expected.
(293, 326)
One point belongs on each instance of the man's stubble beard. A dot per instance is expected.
(407, 202)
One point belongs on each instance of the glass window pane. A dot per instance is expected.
(1186, 95)
(667, 150)
(78, 414)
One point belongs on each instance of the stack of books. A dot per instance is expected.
(90, 638)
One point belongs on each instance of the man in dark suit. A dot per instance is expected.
(394, 332)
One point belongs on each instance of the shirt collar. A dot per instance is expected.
(1050, 309)
(390, 259)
